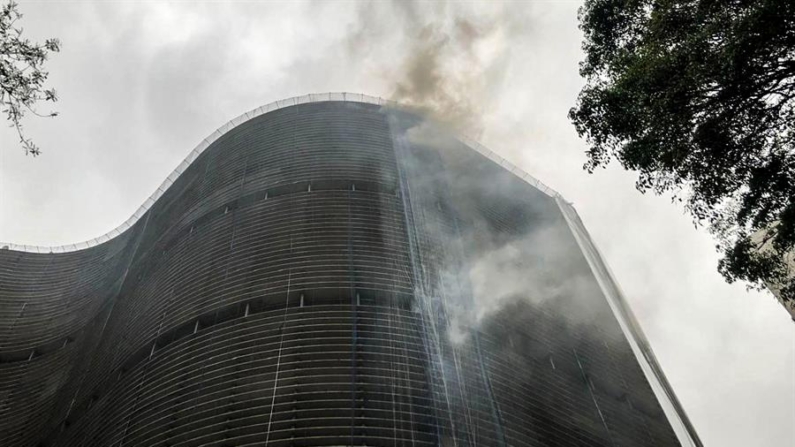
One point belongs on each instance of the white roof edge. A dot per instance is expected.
(204, 144)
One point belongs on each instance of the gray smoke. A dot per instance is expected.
(540, 268)
(489, 269)
(448, 61)
(448, 58)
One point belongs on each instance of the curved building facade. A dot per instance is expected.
(325, 274)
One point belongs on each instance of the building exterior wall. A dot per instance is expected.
(331, 273)
(775, 289)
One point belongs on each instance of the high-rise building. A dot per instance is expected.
(766, 246)
(330, 270)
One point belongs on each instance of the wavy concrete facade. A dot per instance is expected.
(330, 273)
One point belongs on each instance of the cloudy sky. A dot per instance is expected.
(142, 83)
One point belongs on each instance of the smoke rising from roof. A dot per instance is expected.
(449, 57)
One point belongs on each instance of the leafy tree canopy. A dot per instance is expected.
(698, 97)
(21, 73)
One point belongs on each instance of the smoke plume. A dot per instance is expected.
(447, 57)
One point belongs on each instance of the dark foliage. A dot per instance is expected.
(698, 97)
(21, 73)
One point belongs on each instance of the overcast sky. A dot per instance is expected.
(142, 83)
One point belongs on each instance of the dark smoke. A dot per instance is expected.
(448, 58)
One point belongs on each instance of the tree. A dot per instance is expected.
(698, 97)
(21, 73)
